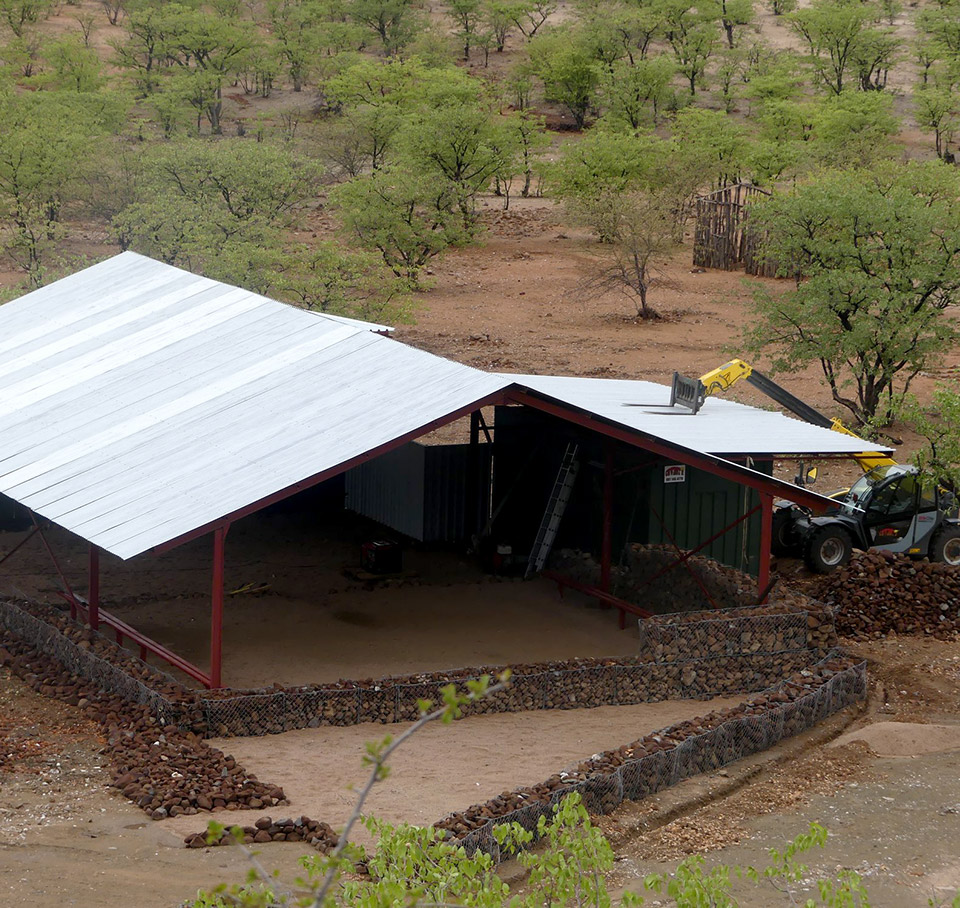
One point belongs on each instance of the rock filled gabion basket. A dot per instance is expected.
(154, 727)
(661, 759)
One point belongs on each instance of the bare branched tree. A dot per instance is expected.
(645, 233)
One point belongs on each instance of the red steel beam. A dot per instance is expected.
(310, 481)
(606, 544)
(710, 463)
(766, 543)
(123, 631)
(93, 589)
(562, 580)
(216, 611)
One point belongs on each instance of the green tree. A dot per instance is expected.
(76, 67)
(713, 142)
(214, 207)
(468, 16)
(691, 30)
(295, 25)
(938, 423)
(834, 31)
(937, 110)
(47, 148)
(18, 14)
(530, 16)
(567, 68)
(529, 140)
(327, 278)
(405, 215)
(873, 56)
(735, 17)
(635, 94)
(853, 129)
(394, 22)
(114, 10)
(498, 17)
(374, 98)
(461, 144)
(203, 51)
(595, 176)
(142, 52)
(876, 257)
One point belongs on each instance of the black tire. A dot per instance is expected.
(945, 547)
(784, 541)
(827, 548)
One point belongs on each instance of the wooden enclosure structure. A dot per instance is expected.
(722, 238)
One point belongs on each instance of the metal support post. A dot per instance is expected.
(93, 587)
(766, 543)
(606, 545)
(216, 612)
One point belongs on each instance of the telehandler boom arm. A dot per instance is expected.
(727, 375)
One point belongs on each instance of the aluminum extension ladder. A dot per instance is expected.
(562, 487)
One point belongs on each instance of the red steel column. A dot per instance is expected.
(93, 588)
(766, 543)
(216, 611)
(606, 545)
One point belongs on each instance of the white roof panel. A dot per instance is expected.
(140, 402)
(721, 426)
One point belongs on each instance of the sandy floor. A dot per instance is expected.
(442, 768)
(314, 624)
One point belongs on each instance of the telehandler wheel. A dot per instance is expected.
(945, 547)
(784, 540)
(827, 548)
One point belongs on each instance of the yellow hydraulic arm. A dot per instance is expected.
(727, 375)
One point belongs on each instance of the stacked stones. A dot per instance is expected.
(775, 628)
(163, 768)
(879, 593)
(314, 833)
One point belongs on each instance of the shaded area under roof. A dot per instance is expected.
(140, 403)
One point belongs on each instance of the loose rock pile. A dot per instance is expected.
(676, 590)
(596, 777)
(164, 769)
(303, 829)
(879, 593)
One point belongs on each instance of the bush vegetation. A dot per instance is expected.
(214, 134)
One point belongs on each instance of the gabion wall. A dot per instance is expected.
(573, 684)
(771, 629)
(604, 786)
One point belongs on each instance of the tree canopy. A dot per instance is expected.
(876, 260)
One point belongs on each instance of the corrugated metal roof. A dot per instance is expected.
(721, 426)
(140, 403)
